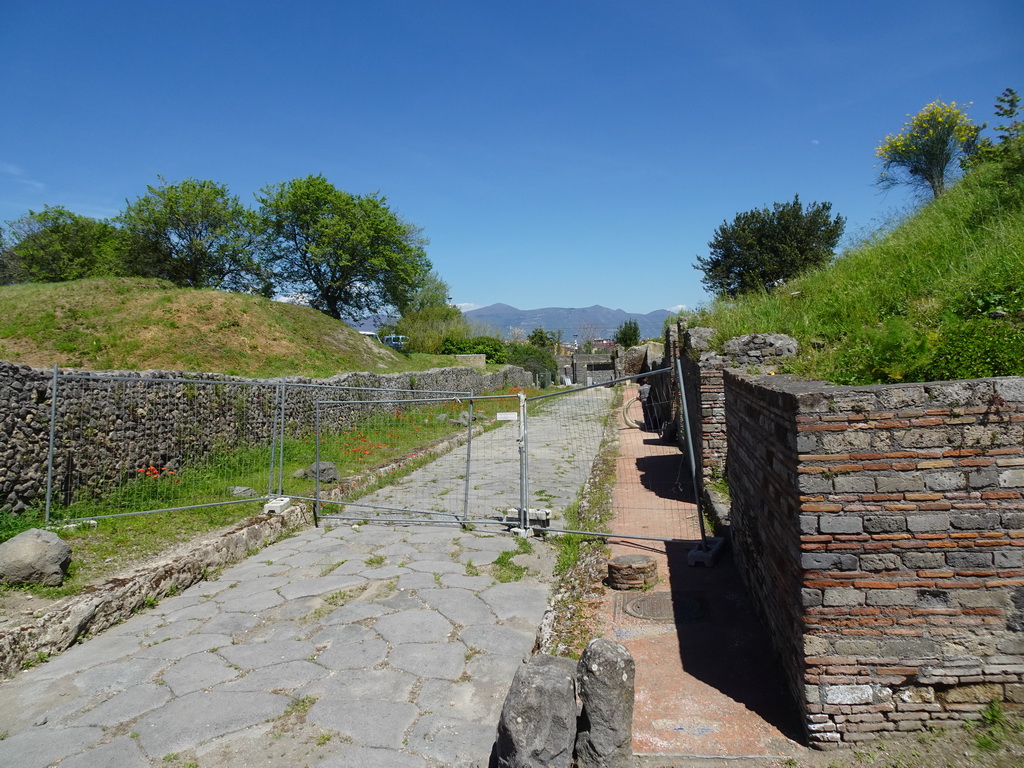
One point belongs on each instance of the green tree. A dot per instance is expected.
(197, 235)
(933, 145)
(54, 245)
(541, 338)
(628, 334)
(428, 318)
(765, 247)
(1009, 148)
(532, 358)
(349, 254)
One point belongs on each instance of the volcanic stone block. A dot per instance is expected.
(538, 720)
(605, 737)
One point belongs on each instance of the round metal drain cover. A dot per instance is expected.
(669, 606)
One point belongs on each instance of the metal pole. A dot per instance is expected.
(316, 465)
(280, 451)
(690, 451)
(469, 462)
(524, 481)
(53, 433)
(273, 442)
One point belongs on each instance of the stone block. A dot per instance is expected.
(843, 596)
(915, 560)
(950, 480)
(848, 694)
(880, 562)
(537, 727)
(841, 524)
(969, 560)
(605, 676)
(892, 597)
(885, 523)
(900, 483)
(972, 693)
(1011, 559)
(928, 523)
(854, 484)
(1011, 478)
(34, 557)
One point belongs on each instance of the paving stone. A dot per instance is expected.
(277, 677)
(400, 601)
(122, 752)
(451, 742)
(181, 647)
(461, 581)
(416, 626)
(119, 675)
(458, 605)
(187, 721)
(416, 580)
(202, 609)
(333, 582)
(436, 566)
(231, 623)
(354, 655)
(127, 705)
(366, 757)
(256, 655)
(379, 684)
(173, 630)
(497, 639)
(45, 746)
(368, 722)
(342, 634)
(198, 671)
(97, 652)
(244, 589)
(516, 599)
(445, 661)
(357, 610)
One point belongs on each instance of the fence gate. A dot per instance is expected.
(655, 496)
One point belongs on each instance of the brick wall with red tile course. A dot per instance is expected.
(881, 530)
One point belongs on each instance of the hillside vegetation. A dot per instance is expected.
(940, 296)
(138, 324)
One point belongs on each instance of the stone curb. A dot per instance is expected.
(104, 605)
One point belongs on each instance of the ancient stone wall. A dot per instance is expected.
(881, 531)
(111, 423)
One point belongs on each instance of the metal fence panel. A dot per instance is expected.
(130, 445)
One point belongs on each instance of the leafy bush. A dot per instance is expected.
(494, 349)
(533, 359)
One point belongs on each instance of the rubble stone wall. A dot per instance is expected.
(881, 531)
(160, 415)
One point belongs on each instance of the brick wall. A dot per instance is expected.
(881, 530)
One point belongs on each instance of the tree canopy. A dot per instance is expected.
(765, 247)
(428, 319)
(55, 244)
(628, 334)
(928, 151)
(348, 254)
(197, 235)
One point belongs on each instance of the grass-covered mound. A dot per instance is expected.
(138, 324)
(938, 297)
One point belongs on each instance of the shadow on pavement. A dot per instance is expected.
(723, 643)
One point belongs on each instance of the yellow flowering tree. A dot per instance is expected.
(933, 145)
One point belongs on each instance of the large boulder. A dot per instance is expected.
(605, 677)
(327, 470)
(538, 720)
(34, 557)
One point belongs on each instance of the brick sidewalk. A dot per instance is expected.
(705, 681)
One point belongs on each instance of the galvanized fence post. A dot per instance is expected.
(469, 461)
(53, 434)
(524, 470)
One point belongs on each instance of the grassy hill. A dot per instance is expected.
(940, 296)
(137, 324)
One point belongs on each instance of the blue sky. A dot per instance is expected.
(559, 153)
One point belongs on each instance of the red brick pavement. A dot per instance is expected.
(705, 681)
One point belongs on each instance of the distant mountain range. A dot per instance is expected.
(587, 323)
(584, 323)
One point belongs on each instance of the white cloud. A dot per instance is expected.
(10, 169)
(677, 309)
(467, 306)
